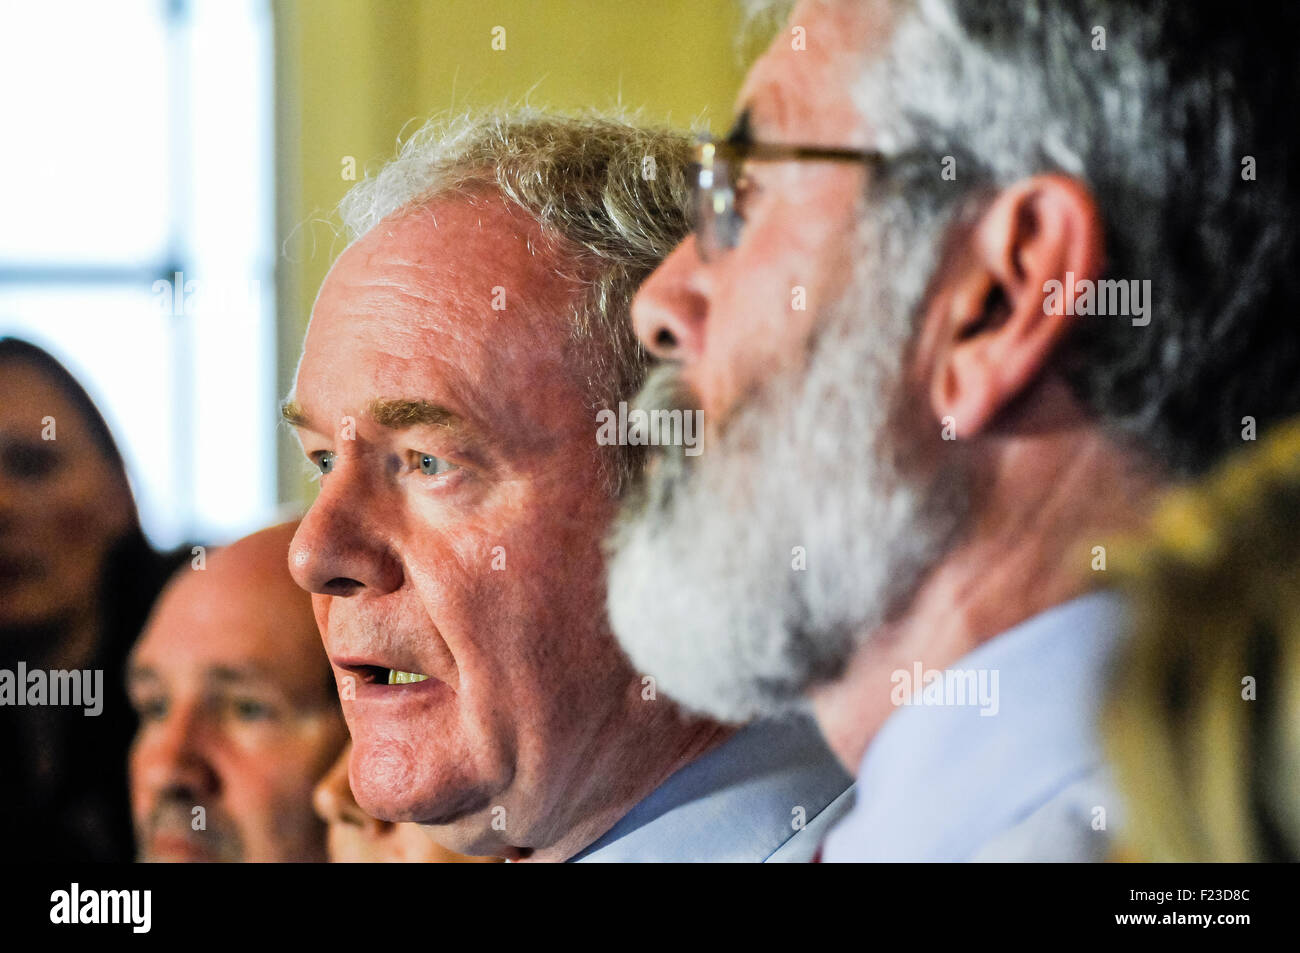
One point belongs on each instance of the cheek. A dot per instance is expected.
(537, 572)
(516, 591)
(137, 768)
(71, 528)
(489, 577)
(555, 654)
(268, 782)
(758, 320)
(768, 299)
(320, 607)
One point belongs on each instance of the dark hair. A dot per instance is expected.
(1174, 116)
(16, 349)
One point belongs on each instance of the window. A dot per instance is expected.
(138, 239)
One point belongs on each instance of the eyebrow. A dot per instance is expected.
(402, 413)
(291, 412)
(234, 675)
(391, 413)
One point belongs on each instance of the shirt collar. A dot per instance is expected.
(938, 781)
(739, 802)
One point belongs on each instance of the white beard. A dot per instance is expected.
(704, 594)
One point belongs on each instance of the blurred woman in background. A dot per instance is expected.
(77, 578)
(1204, 722)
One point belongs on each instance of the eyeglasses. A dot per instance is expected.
(714, 180)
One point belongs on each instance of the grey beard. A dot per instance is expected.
(743, 577)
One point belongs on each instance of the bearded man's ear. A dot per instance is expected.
(991, 327)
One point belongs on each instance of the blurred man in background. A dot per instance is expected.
(77, 578)
(238, 714)
(458, 360)
(971, 282)
(357, 838)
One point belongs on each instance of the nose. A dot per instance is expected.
(670, 309)
(334, 802)
(173, 756)
(338, 549)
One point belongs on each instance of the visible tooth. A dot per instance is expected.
(404, 678)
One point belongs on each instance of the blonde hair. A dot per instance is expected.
(614, 194)
(1204, 720)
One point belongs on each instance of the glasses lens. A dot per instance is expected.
(715, 227)
(693, 179)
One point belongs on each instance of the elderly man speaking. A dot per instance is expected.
(973, 281)
(459, 358)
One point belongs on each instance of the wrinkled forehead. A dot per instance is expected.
(464, 268)
(468, 294)
(804, 89)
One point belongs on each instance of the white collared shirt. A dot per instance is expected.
(767, 794)
(943, 782)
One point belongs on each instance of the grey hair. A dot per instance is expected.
(1157, 125)
(763, 16)
(613, 194)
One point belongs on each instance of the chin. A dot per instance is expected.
(394, 781)
(471, 836)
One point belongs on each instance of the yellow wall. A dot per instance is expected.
(351, 73)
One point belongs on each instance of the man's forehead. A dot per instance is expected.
(456, 333)
(236, 609)
(216, 672)
(241, 652)
(449, 251)
(395, 381)
(401, 283)
(210, 636)
(801, 91)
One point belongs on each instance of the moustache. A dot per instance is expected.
(174, 815)
(667, 465)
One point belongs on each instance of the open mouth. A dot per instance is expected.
(404, 678)
(379, 675)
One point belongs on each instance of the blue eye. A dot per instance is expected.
(433, 466)
(325, 460)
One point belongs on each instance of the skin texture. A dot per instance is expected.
(237, 712)
(357, 838)
(729, 323)
(531, 736)
(981, 356)
(62, 505)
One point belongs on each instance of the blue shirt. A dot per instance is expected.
(946, 783)
(768, 793)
